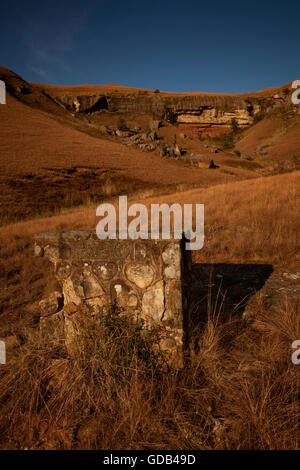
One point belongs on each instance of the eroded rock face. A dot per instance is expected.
(213, 115)
(173, 305)
(70, 295)
(124, 295)
(204, 110)
(85, 283)
(143, 277)
(190, 109)
(52, 304)
(105, 270)
(171, 258)
(84, 103)
(153, 305)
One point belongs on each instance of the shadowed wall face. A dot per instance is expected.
(143, 277)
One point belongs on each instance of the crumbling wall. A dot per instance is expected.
(143, 277)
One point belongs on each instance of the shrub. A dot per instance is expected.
(257, 117)
(238, 390)
(227, 141)
(234, 125)
(122, 126)
(170, 116)
(118, 340)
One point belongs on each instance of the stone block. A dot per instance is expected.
(52, 304)
(143, 277)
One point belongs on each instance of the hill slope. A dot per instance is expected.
(51, 159)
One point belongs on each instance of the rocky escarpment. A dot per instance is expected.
(191, 109)
(210, 109)
(201, 109)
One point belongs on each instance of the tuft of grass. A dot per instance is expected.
(238, 390)
(115, 339)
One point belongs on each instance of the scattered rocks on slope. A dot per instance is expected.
(201, 161)
(178, 151)
(121, 133)
(146, 141)
(151, 136)
(107, 130)
(154, 125)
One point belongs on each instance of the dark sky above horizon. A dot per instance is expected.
(170, 45)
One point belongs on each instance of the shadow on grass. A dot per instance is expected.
(222, 290)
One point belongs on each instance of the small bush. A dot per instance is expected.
(122, 126)
(117, 340)
(227, 141)
(257, 117)
(238, 390)
(170, 116)
(234, 125)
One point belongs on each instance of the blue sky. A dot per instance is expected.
(170, 45)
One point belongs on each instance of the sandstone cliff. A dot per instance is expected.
(191, 108)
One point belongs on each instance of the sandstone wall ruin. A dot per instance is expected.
(143, 277)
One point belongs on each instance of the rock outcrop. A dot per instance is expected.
(206, 109)
(198, 109)
(190, 108)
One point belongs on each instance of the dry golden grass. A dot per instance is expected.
(239, 390)
(273, 139)
(250, 221)
(246, 222)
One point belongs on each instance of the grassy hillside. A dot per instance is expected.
(240, 388)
